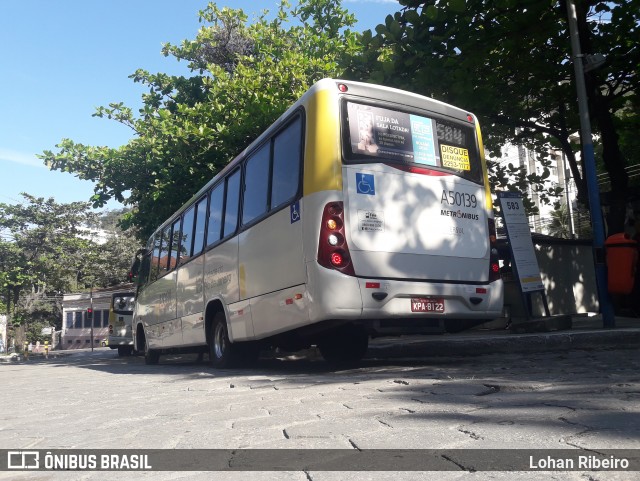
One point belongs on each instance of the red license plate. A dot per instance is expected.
(427, 305)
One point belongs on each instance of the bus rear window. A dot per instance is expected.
(375, 134)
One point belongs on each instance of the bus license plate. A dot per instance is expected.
(427, 305)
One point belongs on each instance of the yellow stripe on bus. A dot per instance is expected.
(322, 166)
(483, 162)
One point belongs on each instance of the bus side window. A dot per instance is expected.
(145, 265)
(155, 259)
(231, 205)
(175, 245)
(216, 198)
(286, 163)
(164, 251)
(201, 219)
(256, 185)
(186, 243)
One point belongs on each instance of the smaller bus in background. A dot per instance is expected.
(120, 316)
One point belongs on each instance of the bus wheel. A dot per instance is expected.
(150, 356)
(124, 351)
(345, 345)
(222, 352)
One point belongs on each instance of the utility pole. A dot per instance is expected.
(91, 311)
(606, 307)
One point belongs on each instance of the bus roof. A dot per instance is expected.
(355, 88)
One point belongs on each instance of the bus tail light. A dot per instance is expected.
(333, 252)
(494, 267)
(110, 328)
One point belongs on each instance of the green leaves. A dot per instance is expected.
(244, 76)
(50, 248)
(508, 62)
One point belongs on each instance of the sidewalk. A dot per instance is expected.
(585, 333)
(18, 356)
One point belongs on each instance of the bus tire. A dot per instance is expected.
(344, 345)
(223, 353)
(124, 351)
(151, 356)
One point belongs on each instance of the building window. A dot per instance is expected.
(69, 324)
(77, 322)
(105, 318)
(97, 318)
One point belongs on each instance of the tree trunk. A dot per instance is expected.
(601, 114)
(581, 186)
(613, 162)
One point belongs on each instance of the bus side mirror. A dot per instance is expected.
(135, 266)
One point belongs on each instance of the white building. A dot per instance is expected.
(560, 175)
(77, 328)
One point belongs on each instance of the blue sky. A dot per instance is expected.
(59, 60)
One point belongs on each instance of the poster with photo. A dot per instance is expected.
(379, 132)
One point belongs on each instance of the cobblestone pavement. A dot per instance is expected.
(579, 399)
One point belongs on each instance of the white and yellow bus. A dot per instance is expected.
(362, 211)
(120, 317)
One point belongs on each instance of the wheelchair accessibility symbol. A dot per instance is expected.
(295, 212)
(365, 184)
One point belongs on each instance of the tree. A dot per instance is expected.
(560, 222)
(44, 243)
(188, 128)
(49, 249)
(509, 62)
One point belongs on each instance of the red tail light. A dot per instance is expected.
(333, 252)
(494, 267)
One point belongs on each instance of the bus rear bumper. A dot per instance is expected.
(115, 342)
(410, 299)
(338, 296)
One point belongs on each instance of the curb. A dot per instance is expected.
(506, 343)
(10, 358)
(15, 357)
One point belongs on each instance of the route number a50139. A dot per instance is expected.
(458, 199)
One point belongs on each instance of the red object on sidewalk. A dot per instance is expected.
(622, 259)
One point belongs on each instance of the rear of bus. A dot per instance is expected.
(120, 317)
(406, 238)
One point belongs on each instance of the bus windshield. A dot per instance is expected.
(378, 134)
(123, 303)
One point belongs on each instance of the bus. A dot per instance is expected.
(120, 318)
(362, 211)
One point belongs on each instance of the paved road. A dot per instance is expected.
(587, 400)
